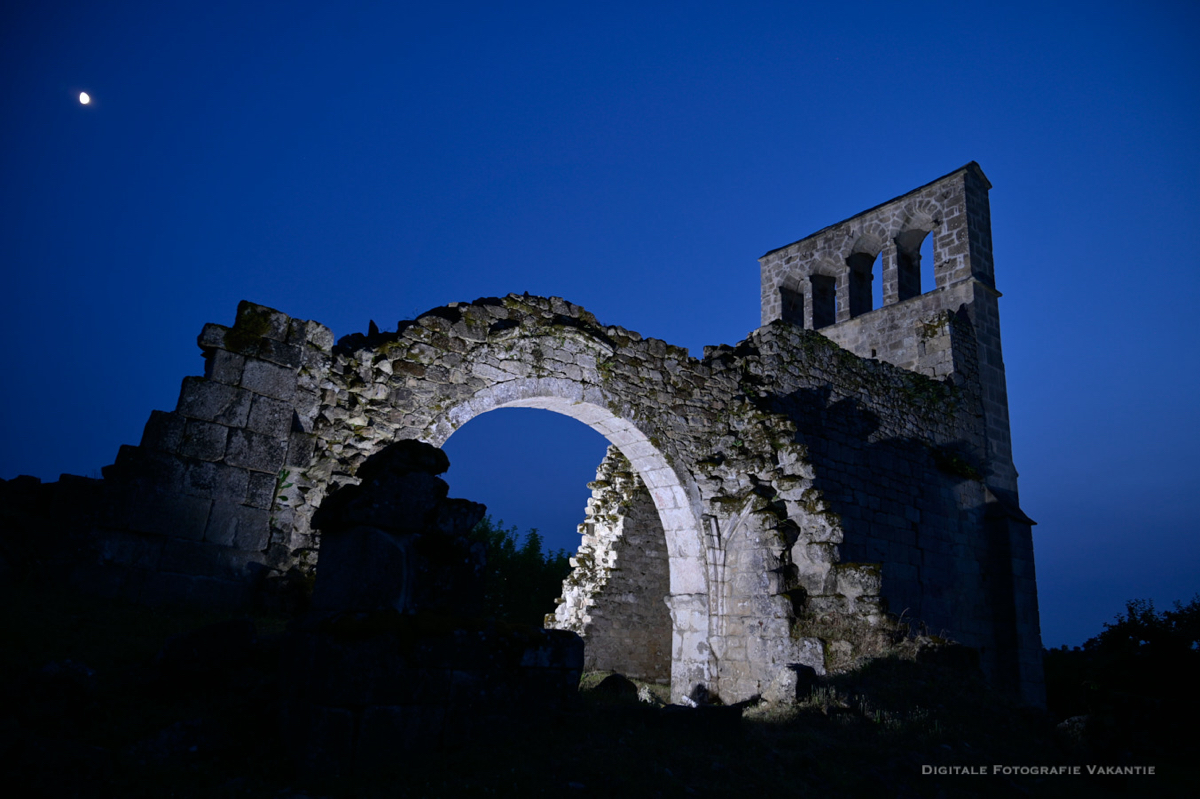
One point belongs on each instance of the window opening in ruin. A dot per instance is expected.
(791, 306)
(824, 300)
(910, 274)
(877, 282)
(928, 281)
(862, 266)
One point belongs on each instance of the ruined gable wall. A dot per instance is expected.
(615, 596)
(197, 512)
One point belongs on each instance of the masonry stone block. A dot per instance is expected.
(298, 331)
(262, 321)
(255, 451)
(313, 333)
(164, 431)
(287, 355)
(142, 467)
(238, 526)
(283, 527)
(212, 337)
(204, 440)
(270, 417)
(211, 401)
(305, 407)
(169, 514)
(222, 366)
(215, 481)
(270, 380)
(260, 489)
(301, 447)
(690, 645)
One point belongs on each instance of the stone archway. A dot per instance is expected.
(283, 417)
(711, 459)
(452, 364)
(680, 525)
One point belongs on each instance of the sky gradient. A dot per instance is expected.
(373, 161)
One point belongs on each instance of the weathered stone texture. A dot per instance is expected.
(883, 243)
(616, 594)
(189, 515)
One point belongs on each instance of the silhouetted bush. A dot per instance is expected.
(1136, 680)
(522, 581)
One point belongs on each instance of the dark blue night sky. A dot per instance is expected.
(372, 160)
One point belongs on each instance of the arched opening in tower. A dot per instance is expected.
(914, 263)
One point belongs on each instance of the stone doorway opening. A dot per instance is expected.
(638, 546)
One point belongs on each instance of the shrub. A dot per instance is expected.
(522, 582)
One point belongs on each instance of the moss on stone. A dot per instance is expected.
(728, 505)
(873, 568)
(954, 463)
(252, 325)
(932, 328)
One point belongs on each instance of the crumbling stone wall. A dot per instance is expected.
(615, 596)
(198, 512)
(949, 331)
(802, 487)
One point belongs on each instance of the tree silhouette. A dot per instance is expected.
(1136, 680)
(522, 582)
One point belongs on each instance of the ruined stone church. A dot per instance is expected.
(774, 504)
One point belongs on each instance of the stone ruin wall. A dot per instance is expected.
(802, 490)
(657, 404)
(615, 596)
(198, 512)
(949, 331)
(770, 534)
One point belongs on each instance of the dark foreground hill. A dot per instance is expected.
(101, 698)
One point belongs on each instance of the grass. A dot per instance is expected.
(132, 729)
